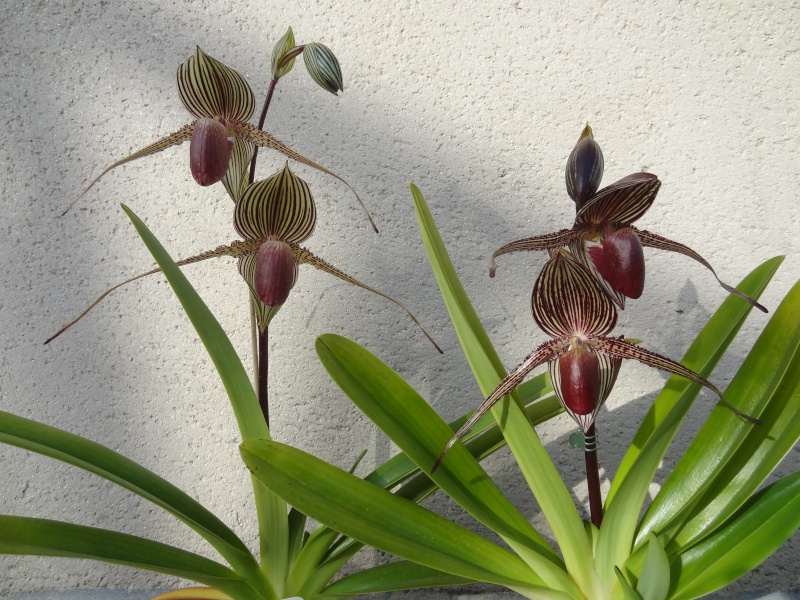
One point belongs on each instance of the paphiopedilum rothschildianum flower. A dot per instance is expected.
(570, 306)
(274, 217)
(603, 237)
(222, 103)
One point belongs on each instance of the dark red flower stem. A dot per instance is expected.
(262, 377)
(593, 477)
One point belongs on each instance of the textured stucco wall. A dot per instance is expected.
(479, 106)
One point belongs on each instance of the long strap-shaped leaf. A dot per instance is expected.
(630, 486)
(378, 518)
(538, 469)
(272, 519)
(41, 537)
(414, 426)
(768, 378)
(110, 465)
(759, 529)
(701, 357)
(392, 577)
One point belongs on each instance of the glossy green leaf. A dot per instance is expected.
(721, 448)
(323, 67)
(392, 577)
(628, 593)
(110, 465)
(378, 518)
(41, 537)
(702, 356)
(414, 426)
(655, 576)
(272, 515)
(752, 535)
(539, 471)
(284, 44)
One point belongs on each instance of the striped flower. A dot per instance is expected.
(273, 217)
(222, 103)
(570, 306)
(603, 238)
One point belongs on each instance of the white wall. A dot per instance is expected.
(479, 107)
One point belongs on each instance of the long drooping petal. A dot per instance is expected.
(549, 241)
(211, 89)
(305, 257)
(261, 138)
(619, 348)
(568, 301)
(546, 352)
(652, 240)
(182, 135)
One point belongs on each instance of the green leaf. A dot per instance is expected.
(284, 45)
(414, 426)
(41, 537)
(758, 529)
(272, 512)
(378, 518)
(655, 576)
(702, 356)
(633, 479)
(628, 593)
(106, 463)
(323, 67)
(400, 575)
(539, 471)
(729, 457)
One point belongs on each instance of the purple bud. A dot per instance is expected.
(274, 272)
(584, 168)
(209, 151)
(620, 261)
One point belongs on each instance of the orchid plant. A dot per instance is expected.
(708, 525)
(698, 534)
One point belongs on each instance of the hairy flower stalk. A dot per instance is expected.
(273, 217)
(603, 237)
(222, 104)
(570, 306)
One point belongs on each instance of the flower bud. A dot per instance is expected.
(281, 48)
(323, 67)
(620, 261)
(274, 272)
(584, 168)
(578, 383)
(209, 151)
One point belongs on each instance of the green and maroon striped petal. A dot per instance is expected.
(621, 203)
(261, 138)
(544, 353)
(549, 241)
(620, 349)
(279, 207)
(210, 89)
(173, 139)
(303, 256)
(568, 301)
(651, 240)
